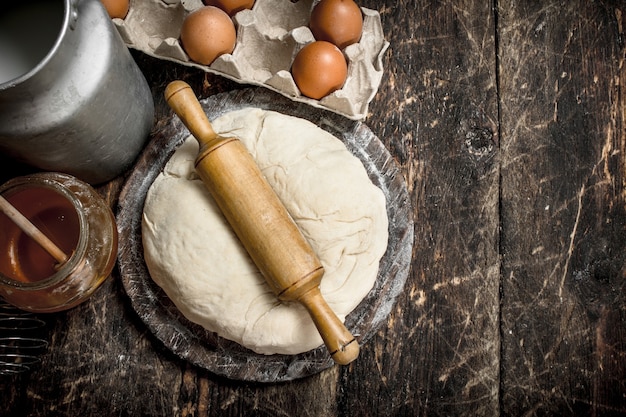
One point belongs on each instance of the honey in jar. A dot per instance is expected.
(71, 214)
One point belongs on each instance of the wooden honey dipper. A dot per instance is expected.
(261, 222)
(31, 230)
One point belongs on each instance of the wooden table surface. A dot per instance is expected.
(508, 119)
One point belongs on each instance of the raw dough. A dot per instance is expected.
(192, 253)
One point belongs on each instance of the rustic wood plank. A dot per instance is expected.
(437, 111)
(563, 221)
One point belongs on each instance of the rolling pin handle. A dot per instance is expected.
(183, 101)
(341, 344)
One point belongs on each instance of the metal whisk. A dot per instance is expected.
(22, 340)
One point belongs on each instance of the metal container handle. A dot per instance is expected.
(73, 13)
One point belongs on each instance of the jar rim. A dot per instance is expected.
(50, 181)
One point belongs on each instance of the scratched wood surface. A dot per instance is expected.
(563, 166)
(507, 119)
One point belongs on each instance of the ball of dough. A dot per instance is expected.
(193, 254)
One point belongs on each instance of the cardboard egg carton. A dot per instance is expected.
(268, 38)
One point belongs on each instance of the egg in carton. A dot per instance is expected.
(269, 36)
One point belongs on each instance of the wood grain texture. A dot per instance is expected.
(439, 354)
(507, 120)
(562, 100)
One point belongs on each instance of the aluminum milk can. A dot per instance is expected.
(72, 99)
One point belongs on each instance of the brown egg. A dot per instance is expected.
(337, 21)
(116, 8)
(230, 6)
(207, 33)
(319, 69)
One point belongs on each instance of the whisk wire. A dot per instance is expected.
(21, 340)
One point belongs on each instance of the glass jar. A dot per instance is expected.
(74, 216)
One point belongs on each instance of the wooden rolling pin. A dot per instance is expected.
(261, 222)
